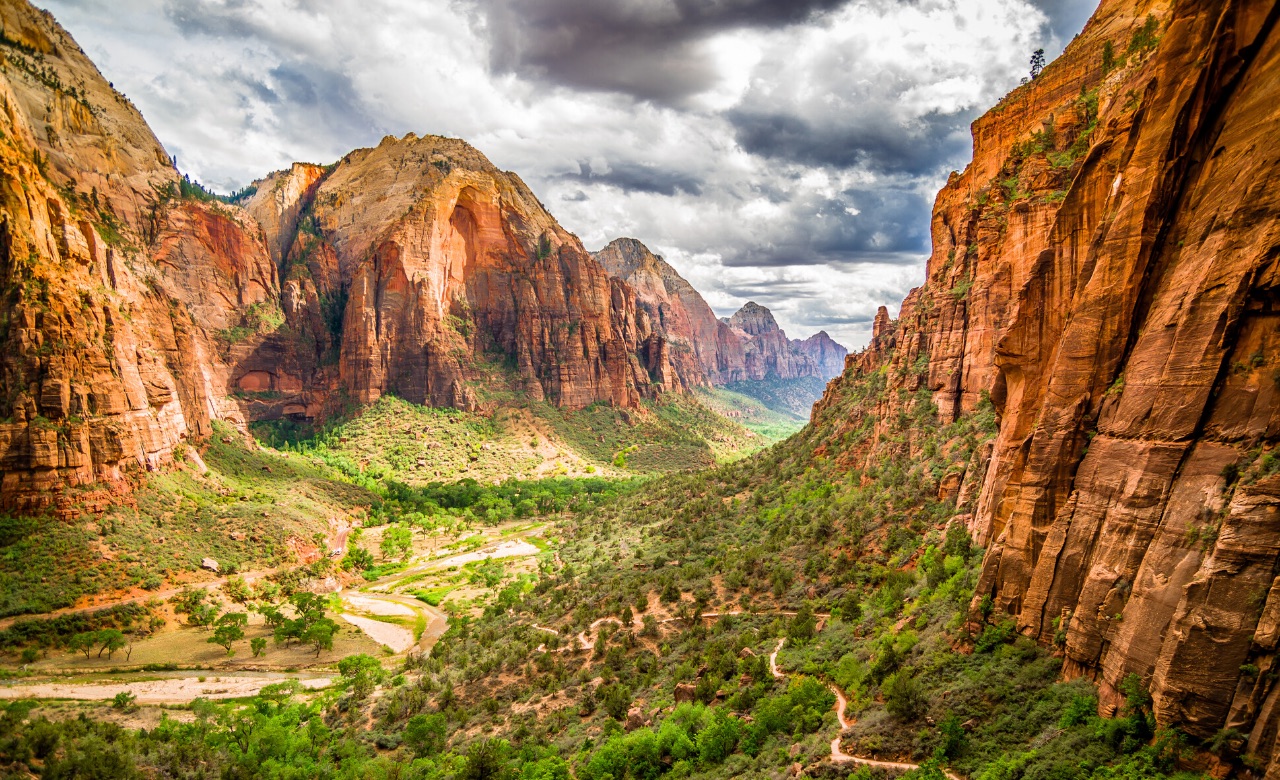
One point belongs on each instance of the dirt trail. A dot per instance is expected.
(837, 754)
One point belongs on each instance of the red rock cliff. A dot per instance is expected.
(438, 265)
(704, 350)
(113, 287)
(1106, 269)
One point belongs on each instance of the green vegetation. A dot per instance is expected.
(835, 539)
(789, 397)
(399, 440)
(243, 512)
(752, 413)
(1146, 37)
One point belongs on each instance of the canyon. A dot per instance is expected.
(1104, 273)
(140, 309)
(1103, 276)
(747, 346)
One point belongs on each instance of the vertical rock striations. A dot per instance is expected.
(443, 264)
(111, 283)
(824, 352)
(139, 309)
(1106, 270)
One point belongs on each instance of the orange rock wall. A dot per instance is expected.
(1106, 271)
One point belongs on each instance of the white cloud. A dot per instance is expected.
(795, 167)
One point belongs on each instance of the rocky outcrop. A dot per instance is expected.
(705, 350)
(140, 309)
(824, 352)
(766, 350)
(1105, 272)
(113, 285)
(278, 202)
(448, 268)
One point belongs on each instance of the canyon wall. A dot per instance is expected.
(1105, 272)
(703, 349)
(140, 309)
(113, 285)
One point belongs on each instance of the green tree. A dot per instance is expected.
(932, 563)
(230, 629)
(718, 741)
(803, 624)
(123, 701)
(397, 542)
(903, 696)
(850, 607)
(616, 700)
(237, 590)
(258, 645)
(84, 642)
(357, 559)
(110, 640)
(362, 673)
(487, 760)
(320, 635)
(203, 615)
(426, 735)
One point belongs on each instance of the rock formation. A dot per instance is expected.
(1106, 271)
(139, 309)
(704, 350)
(824, 351)
(747, 346)
(114, 287)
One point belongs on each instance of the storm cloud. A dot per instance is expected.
(650, 49)
(782, 151)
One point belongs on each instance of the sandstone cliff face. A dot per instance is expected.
(440, 264)
(766, 350)
(139, 310)
(705, 350)
(1106, 271)
(111, 284)
(824, 351)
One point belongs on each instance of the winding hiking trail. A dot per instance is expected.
(838, 756)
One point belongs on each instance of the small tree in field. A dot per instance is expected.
(258, 645)
(83, 643)
(397, 542)
(110, 640)
(320, 635)
(230, 629)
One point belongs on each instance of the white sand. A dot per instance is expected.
(517, 549)
(395, 637)
(377, 606)
(181, 690)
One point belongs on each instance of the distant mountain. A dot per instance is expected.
(748, 346)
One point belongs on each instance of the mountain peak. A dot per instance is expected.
(754, 320)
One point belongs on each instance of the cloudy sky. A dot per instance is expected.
(782, 151)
